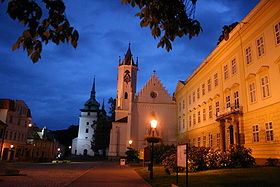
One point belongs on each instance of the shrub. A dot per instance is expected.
(240, 157)
(272, 162)
(169, 159)
(132, 155)
(160, 150)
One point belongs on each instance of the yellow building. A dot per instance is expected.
(233, 97)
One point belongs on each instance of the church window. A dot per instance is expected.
(198, 93)
(198, 117)
(125, 95)
(204, 114)
(269, 131)
(217, 107)
(216, 83)
(265, 86)
(256, 133)
(277, 33)
(248, 55)
(236, 99)
(88, 113)
(209, 85)
(233, 66)
(193, 97)
(86, 130)
(210, 111)
(260, 46)
(203, 89)
(228, 101)
(226, 75)
(252, 92)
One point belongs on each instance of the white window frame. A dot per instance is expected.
(276, 29)
(260, 46)
(228, 101)
(256, 133)
(265, 86)
(248, 55)
(236, 99)
(269, 132)
(252, 92)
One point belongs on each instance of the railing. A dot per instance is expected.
(230, 110)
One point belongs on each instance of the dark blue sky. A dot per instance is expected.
(58, 85)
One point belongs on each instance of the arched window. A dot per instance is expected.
(85, 151)
(125, 95)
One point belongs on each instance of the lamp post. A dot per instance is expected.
(151, 138)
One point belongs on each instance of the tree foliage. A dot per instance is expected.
(167, 19)
(55, 27)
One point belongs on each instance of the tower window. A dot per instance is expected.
(88, 113)
(86, 130)
(125, 95)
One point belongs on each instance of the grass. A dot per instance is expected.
(243, 177)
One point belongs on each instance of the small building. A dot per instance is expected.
(134, 112)
(88, 117)
(16, 115)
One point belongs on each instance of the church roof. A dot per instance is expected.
(91, 104)
(128, 58)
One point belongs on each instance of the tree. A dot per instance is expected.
(55, 27)
(167, 19)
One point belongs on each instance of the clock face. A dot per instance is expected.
(153, 94)
(126, 77)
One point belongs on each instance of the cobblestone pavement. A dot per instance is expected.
(72, 174)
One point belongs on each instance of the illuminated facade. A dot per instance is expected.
(135, 111)
(16, 115)
(233, 97)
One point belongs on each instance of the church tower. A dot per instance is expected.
(126, 87)
(89, 113)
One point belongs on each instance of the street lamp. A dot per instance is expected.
(151, 138)
(130, 142)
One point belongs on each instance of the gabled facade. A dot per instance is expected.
(233, 97)
(135, 111)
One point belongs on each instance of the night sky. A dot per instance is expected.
(58, 85)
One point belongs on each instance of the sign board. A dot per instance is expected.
(181, 155)
(141, 154)
(122, 162)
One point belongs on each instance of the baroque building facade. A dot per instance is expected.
(89, 114)
(233, 97)
(134, 111)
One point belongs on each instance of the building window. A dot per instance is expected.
(210, 112)
(277, 33)
(236, 99)
(203, 89)
(193, 98)
(190, 120)
(183, 104)
(226, 75)
(209, 85)
(88, 113)
(198, 142)
(260, 46)
(216, 81)
(217, 107)
(125, 95)
(194, 142)
(198, 117)
(183, 123)
(180, 107)
(204, 114)
(86, 130)
(194, 119)
(210, 140)
(198, 93)
(265, 86)
(256, 133)
(248, 54)
(233, 66)
(252, 92)
(87, 123)
(204, 141)
(269, 131)
(190, 99)
(218, 140)
(228, 101)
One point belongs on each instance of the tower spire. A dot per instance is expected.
(93, 89)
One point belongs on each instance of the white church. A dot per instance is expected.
(134, 111)
(89, 113)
